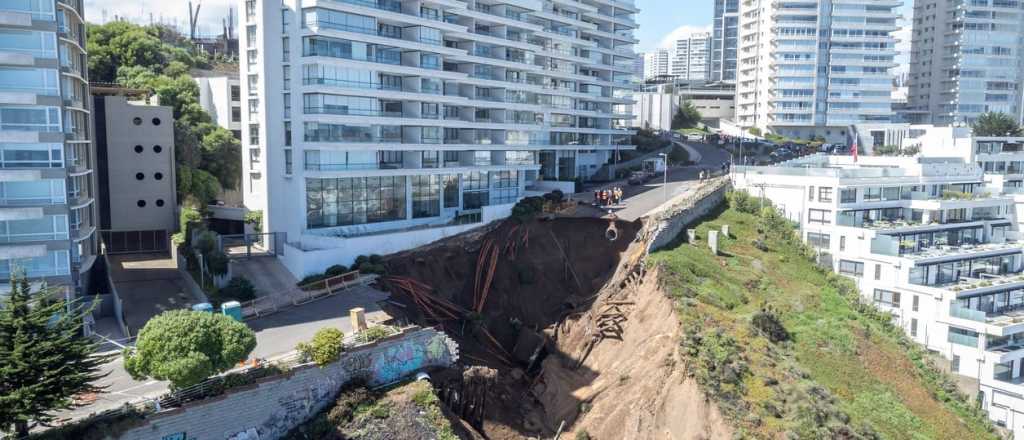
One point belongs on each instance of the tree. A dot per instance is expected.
(186, 347)
(996, 124)
(687, 116)
(44, 359)
(221, 155)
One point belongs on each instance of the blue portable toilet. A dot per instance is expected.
(232, 309)
(202, 307)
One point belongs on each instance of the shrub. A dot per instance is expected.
(754, 131)
(238, 289)
(374, 334)
(206, 242)
(309, 279)
(325, 347)
(336, 270)
(255, 218)
(369, 267)
(582, 435)
(769, 324)
(217, 262)
(527, 208)
(349, 400)
(376, 259)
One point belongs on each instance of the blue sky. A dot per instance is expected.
(659, 18)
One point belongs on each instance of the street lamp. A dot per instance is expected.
(664, 186)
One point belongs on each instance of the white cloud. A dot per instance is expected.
(167, 11)
(669, 40)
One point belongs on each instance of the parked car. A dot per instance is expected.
(639, 178)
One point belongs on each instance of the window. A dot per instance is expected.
(254, 83)
(475, 190)
(287, 98)
(852, 268)
(286, 76)
(426, 196)
(54, 263)
(810, 193)
(33, 192)
(842, 243)
(288, 161)
(913, 327)
(236, 93)
(825, 194)
(848, 195)
(31, 80)
(506, 187)
(286, 50)
(915, 304)
(250, 9)
(354, 201)
(50, 227)
(450, 182)
(236, 114)
(872, 194)
(818, 241)
(820, 216)
(35, 43)
(287, 133)
(961, 336)
(430, 61)
(30, 118)
(286, 19)
(887, 298)
(250, 35)
(878, 271)
(954, 364)
(254, 108)
(254, 134)
(31, 155)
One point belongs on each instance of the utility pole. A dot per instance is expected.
(664, 186)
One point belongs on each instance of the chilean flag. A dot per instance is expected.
(853, 149)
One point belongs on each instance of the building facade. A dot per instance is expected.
(966, 59)
(365, 121)
(47, 184)
(933, 239)
(656, 63)
(656, 104)
(690, 56)
(134, 149)
(724, 41)
(220, 94)
(808, 69)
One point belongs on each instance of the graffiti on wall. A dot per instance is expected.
(407, 357)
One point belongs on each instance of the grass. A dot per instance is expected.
(845, 368)
(425, 398)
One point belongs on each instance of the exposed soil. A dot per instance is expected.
(542, 314)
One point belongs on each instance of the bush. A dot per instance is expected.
(309, 279)
(325, 347)
(255, 218)
(754, 131)
(217, 262)
(350, 399)
(582, 435)
(768, 323)
(206, 242)
(679, 155)
(372, 334)
(369, 267)
(238, 289)
(335, 270)
(527, 208)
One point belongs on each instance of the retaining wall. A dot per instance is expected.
(665, 224)
(270, 408)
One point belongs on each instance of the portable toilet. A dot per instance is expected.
(232, 309)
(202, 307)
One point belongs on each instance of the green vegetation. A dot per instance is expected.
(238, 289)
(186, 347)
(156, 58)
(996, 124)
(44, 360)
(325, 347)
(787, 348)
(754, 131)
(687, 116)
(427, 401)
(678, 155)
(374, 333)
(646, 141)
(255, 218)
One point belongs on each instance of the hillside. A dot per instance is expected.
(837, 368)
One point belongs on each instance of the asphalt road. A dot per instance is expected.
(640, 199)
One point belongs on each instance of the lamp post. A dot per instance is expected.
(664, 186)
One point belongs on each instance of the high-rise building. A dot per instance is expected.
(689, 57)
(965, 60)
(47, 206)
(724, 34)
(372, 127)
(815, 68)
(220, 94)
(638, 67)
(656, 63)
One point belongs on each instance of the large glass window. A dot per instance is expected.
(475, 190)
(50, 227)
(426, 196)
(354, 201)
(40, 9)
(31, 156)
(886, 297)
(820, 216)
(32, 80)
(506, 187)
(316, 103)
(342, 21)
(451, 190)
(853, 268)
(36, 118)
(320, 132)
(35, 43)
(963, 337)
(54, 263)
(819, 241)
(32, 192)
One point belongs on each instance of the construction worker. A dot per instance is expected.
(618, 195)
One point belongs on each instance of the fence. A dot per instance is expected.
(305, 293)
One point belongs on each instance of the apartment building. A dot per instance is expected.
(657, 63)
(965, 60)
(47, 208)
(933, 239)
(220, 94)
(658, 102)
(724, 41)
(808, 69)
(690, 56)
(376, 126)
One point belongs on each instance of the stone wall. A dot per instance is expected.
(270, 408)
(665, 224)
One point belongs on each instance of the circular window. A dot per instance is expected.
(156, 121)
(159, 202)
(141, 203)
(157, 149)
(158, 176)
(138, 148)
(137, 121)
(139, 176)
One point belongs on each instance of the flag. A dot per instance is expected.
(853, 149)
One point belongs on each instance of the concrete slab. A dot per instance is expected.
(148, 284)
(267, 274)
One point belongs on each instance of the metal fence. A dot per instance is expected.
(131, 242)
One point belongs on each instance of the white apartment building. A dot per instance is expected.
(656, 63)
(373, 126)
(690, 57)
(47, 184)
(813, 68)
(220, 94)
(966, 59)
(933, 239)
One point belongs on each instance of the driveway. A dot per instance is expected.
(148, 285)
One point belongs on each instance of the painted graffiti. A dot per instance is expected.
(406, 357)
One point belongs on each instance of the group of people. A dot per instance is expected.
(607, 197)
